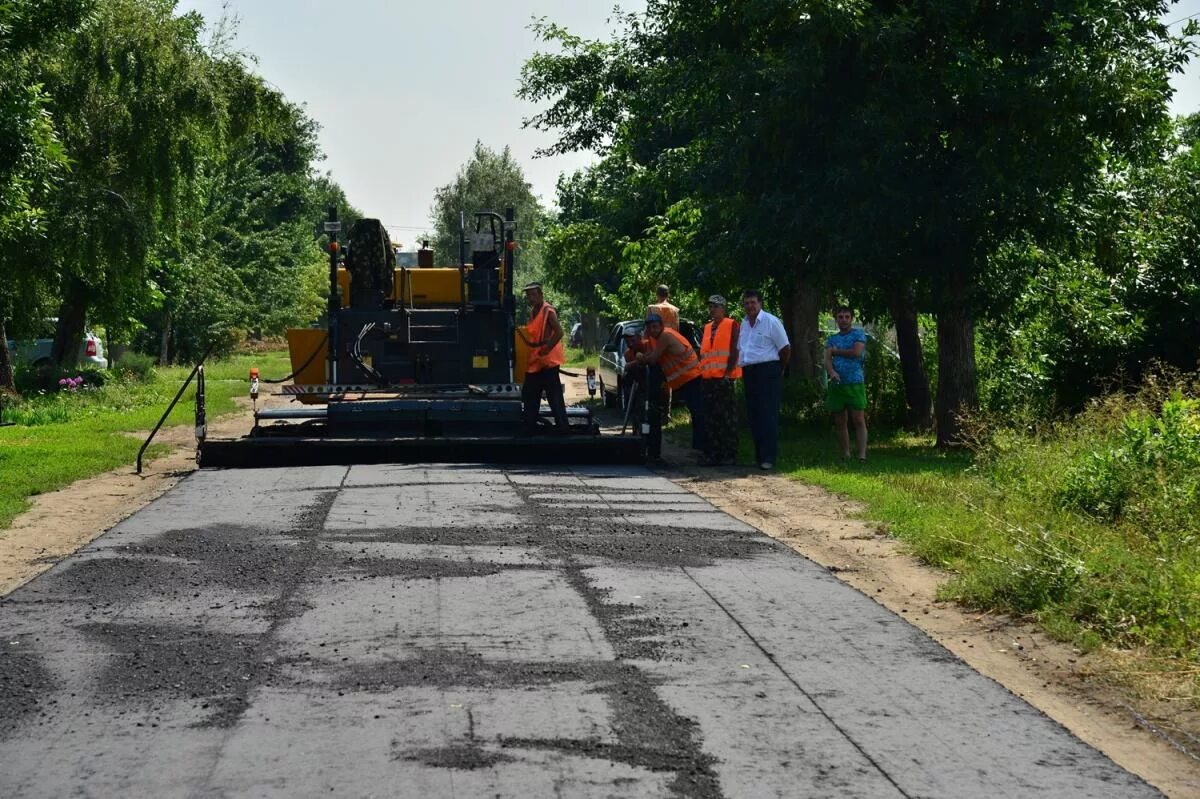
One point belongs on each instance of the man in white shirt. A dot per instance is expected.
(764, 348)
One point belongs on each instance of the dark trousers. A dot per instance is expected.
(536, 383)
(764, 393)
(689, 392)
(692, 396)
(720, 419)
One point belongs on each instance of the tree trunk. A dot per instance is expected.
(72, 319)
(164, 344)
(799, 317)
(592, 335)
(6, 372)
(903, 308)
(957, 390)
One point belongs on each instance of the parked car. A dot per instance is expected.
(611, 368)
(37, 351)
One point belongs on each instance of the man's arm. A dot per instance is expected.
(556, 333)
(829, 370)
(661, 346)
(779, 337)
(733, 349)
(855, 352)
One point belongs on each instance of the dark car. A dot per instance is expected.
(611, 368)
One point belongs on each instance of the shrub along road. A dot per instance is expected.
(445, 630)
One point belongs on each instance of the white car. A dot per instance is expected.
(37, 351)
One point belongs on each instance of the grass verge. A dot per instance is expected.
(65, 436)
(578, 357)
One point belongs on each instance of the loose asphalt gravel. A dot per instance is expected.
(477, 631)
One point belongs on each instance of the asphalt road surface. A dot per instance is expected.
(451, 631)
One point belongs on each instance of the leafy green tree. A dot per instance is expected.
(31, 156)
(136, 109)
(251, 262)
(839, 144)
(489, 181)
(1118, 298)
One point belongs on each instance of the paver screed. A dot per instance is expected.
(472, 631)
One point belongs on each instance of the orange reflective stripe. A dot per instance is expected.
(682, 368)
(715, 350)
(537, 332)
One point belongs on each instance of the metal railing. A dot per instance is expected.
(198, 369)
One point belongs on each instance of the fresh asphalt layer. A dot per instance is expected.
(471, 631)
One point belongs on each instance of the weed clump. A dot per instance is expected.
(1103, 519)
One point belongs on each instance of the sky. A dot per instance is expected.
(417, 82)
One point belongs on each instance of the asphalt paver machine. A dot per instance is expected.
(414, 364)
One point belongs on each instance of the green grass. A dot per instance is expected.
(995, 524)
(63, 436)
(579, 358)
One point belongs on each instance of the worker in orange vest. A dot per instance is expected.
(665, 308)
(680, 368)
(718, 369)
(544, 336)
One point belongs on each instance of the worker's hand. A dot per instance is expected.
(545, 349)
(834, 376)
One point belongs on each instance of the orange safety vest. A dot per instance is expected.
(714, 351)
(537, 333)
(668, 312)
(679, 369)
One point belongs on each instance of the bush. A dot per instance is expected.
(803, 401)
(1149, 470)
(135, 366)
(49, 378)
(1101, 518)
(886, 405)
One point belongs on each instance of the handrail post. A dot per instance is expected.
(197, 368)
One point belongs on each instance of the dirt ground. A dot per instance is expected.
(1144, 737)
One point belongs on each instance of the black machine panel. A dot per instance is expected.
(389, 342)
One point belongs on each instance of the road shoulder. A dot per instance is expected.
(1053, 677)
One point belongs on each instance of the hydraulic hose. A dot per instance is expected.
(304, 365)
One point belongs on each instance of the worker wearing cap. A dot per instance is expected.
(718, 369)
(543, 335)
(674, 356)
(668, 312)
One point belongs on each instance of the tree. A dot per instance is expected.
(869, 142)
(31, 156)
(136, 110)
(489, 181)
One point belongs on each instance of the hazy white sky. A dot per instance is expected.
(417, 82)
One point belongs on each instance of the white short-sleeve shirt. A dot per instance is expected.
(762, 341)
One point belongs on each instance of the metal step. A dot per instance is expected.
(307, 451)
(445, 331)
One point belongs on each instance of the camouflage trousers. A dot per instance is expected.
(720, 419)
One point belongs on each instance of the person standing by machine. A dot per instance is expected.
(718, 369)
(543, 335)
